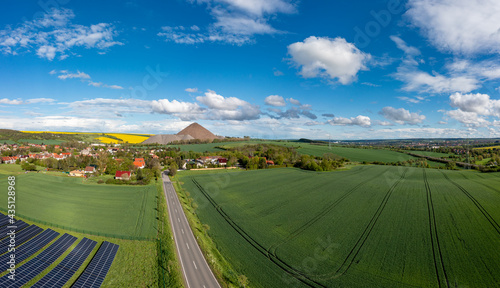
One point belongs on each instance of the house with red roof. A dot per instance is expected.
(89, 169)
(139, 163)
(122, 175)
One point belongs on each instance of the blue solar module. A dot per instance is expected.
(58, 276)
(21, 237)
(35, 266)
(18, 225)
(94, 274)
(29, 248)
(4, 220)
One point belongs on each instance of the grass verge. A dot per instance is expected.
(226, 275)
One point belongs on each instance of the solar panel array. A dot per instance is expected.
(35, 266)
(58, 276)
(29, 248)
(94, 274)
(4, 220)
(20, 224)
(21, 237)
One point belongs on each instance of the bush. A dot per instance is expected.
(100, 181)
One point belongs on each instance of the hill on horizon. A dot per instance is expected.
(191, 132)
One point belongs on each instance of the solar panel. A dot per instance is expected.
(29, 248)
(19, 224)
(21, 237)
(58, 276)
(94, 274)
(35, 266)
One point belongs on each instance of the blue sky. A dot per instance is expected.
(264, 68)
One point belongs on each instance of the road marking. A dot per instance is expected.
(195, 266)
(182, 231)
(187, 245)
(175, 210)
(178, 219)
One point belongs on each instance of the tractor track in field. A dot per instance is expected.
(298, 231)
(300, 276)
(369, 228)
(434, 234)
(482, 184)
(476, 203)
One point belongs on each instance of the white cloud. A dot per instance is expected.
(476, 103)
(415, 100)
(11, 102)
(328, 58)
(46, 51)
(275, 100)
(470, 119)
(215, 101)
(261, 7)
(191, 90)
(235, 21)
(363, 121)
(54, 33)
(65, 74)
(79, 75)
(402, 116)
(424, 82)
(40, 100)
(401, 44)
(294, 101)
(458, 26)
(165, 106)
(485, 70)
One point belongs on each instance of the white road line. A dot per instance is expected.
(182, 231)
(195, 266)
(175, 210)
(187, 245)
(178, 219)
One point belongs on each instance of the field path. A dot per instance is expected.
(195, 270)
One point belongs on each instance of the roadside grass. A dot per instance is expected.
(222, 269)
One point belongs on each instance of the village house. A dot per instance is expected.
(122, 175)
(89, 169)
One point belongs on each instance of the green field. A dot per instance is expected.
(371, 226)
(109, 210)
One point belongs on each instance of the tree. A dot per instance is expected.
(173, 169)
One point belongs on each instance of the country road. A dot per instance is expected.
(195, 270)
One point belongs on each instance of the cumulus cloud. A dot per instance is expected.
(54, 34)
(360, 120)
(228, 108)
(275, 100)
(401, 116)
(476, 103)
(470, 119)
(458, 26)
(334, 59)
(191, 90)
(165, 106)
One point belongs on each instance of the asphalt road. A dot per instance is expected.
(196, 272)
